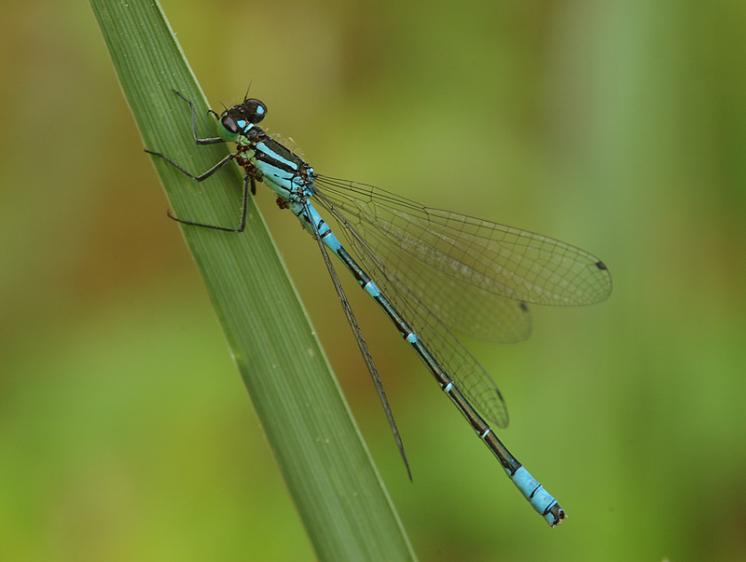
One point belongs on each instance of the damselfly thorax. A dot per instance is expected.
(283, 171)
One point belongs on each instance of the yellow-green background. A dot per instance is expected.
(125, 431)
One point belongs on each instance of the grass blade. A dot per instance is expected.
(342, 502)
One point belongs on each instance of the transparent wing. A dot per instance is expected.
(463, 368)
(362, 346)
(466, 309)
(475, 254)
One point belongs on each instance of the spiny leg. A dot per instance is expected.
(201, 177)
(248, 183)
(197, 139)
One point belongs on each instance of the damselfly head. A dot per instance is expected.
(239, 118)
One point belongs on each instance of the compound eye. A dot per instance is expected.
(255, 110)
(229, 124)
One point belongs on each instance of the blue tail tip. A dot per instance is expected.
(541, 500)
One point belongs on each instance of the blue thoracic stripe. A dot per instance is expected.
(277, 176)
(263, 148)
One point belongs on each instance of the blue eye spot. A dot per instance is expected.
(241, 124)
(259, 110)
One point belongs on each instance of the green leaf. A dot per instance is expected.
(328, 470)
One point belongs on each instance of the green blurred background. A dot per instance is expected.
(125, 430)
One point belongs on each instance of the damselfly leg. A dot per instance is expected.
(197, 139)
(199, 177)
(248, 184)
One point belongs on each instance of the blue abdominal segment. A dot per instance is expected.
(534, 492)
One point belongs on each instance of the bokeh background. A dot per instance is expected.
(125, 431)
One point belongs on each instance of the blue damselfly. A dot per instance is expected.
(432, 271)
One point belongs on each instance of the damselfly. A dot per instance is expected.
(432, 271)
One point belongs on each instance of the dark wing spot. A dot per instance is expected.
(601, 265)
(523, 306)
